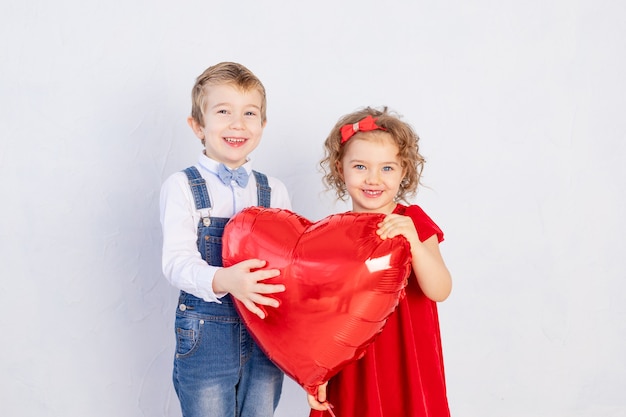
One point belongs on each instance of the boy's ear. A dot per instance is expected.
(195, 126)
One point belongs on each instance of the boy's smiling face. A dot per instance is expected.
(232, 124)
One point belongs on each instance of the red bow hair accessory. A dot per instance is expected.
(364, 125)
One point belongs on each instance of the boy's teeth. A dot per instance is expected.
(234, 140)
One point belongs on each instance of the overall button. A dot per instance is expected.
(182, 307)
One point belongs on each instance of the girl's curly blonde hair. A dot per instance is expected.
(403, 135)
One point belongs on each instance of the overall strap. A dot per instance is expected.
(263, 190)
(198, 188)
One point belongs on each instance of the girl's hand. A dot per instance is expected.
(430, 270)
(244, 281)
(395, 225)
(318, 402)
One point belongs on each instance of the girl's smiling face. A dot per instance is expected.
(372, 172)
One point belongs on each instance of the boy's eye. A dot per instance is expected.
(250, 113)
(222, 111)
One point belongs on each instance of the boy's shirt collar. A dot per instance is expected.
(212, 165)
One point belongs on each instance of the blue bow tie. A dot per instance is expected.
(227, 175)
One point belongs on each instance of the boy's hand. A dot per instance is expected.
(318, 402)
(244, 282)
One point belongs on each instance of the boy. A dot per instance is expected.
(218, 369)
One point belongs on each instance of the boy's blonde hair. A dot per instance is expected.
(225, 73)
(402, 134)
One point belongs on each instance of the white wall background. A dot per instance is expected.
(520, 107)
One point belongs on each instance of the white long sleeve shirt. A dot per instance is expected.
(182, 263)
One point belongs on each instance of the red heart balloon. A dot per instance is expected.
(342, 282)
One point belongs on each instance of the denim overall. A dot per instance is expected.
(219, 371)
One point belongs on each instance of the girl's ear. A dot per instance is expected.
(339, 167)
(195, 126)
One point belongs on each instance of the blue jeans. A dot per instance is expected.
(219, 371)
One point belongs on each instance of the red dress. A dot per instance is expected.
(401, 374)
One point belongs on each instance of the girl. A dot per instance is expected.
(373, 156)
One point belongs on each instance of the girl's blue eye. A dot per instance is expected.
(358, 166)
(387, 168)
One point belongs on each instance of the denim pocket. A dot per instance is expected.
(212, 249)
(187, 335)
